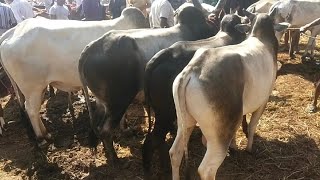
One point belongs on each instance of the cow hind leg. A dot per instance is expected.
(110, 152)
(156, 141)
(180, 142)
(253, 125)
(313, 106)
(32, 106)
(2, 122)
(215, 154)
(70, 106)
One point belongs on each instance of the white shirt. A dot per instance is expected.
(161, 9)
(22, 10)
(61, 12)
(47, 4)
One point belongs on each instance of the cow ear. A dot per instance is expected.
(281, 26)
(250, 15)
(253, 10)
(243, 28)
(272, 12)
(221, 14)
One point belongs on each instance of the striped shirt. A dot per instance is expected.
(7, 19)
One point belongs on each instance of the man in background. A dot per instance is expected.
(161, 14)
(140, 4)
(21, 9)
(7, 19)
(92, 10)
(116, 7)
(59, 10)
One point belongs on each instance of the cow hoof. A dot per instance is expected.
(48, 136)
(311, 109)
(128, 132)
(43, 144)
(284, 49)
(232, 151)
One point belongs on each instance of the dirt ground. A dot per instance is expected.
(286, 144)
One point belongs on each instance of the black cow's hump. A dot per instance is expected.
(191, 16)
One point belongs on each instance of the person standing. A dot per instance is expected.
(140, 4)
(21, 9)
(161, 14)
(59, 10)
(7, 19)
(92, 10)
(116, 7)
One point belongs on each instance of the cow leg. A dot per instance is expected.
(253, 125)
(156, 141)
(215, 154)
(309, 45)
(286, 39)
(245, 125)
(313, 107)
(294, 42)
(180, 142)
(2, 122)
(32, 106)
(70, 106)
(107, 139)
(219, 132)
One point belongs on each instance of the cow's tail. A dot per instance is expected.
(82, 62)
(93, 139)
(147, 78)
(157, 59)
(179, 96)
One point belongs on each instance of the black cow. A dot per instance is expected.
(160, 73)
(112, 67)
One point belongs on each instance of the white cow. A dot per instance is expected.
(41, 52)
(261, 6)
(217, 88)
(298, 13)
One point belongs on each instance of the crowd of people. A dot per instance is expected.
(159, 12)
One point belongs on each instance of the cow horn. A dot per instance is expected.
(273, 12)
(253, 10)
(250, 15)
(197, 4)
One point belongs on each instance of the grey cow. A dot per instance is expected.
(112, 67)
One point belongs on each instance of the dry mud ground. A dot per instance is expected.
(286, 145)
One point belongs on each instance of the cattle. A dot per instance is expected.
(115, 77)
(293, 36)
(298, 13)
(238, 5)
(5, 89)
(313, 106)
(218, 87)
(206, 8)
(40, 52)
(262, 6)
(159, 75)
